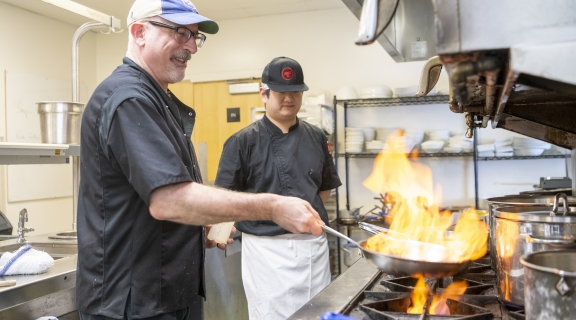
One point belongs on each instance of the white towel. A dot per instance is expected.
(25, 260)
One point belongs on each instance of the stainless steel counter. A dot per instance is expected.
(48, 294)
(336, 296)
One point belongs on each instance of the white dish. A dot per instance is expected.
(528, 151)
(451, 149)
(346, 93)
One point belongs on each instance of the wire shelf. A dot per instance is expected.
(388, 102)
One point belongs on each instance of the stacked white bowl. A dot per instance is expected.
(503, 147)
(395, 141)
(529, 146)
(376, 92)
(369, 133)
(406, 91)
(459, 143)
(443, 135)
(346, 93)
(432, 146)
(354, 140)
(382, 133)
(416, 135)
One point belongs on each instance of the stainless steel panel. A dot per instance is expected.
(499, 24)
(225, 298)
(412, 25)
(54, 304)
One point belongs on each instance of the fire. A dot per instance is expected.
(419, 230)
(507, 234)
(438, 306)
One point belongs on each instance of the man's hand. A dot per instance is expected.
(211, 243)
(296, 216)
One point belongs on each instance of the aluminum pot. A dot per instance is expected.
(549, 283)
(60, 121)
(516, 201)
(524, 230)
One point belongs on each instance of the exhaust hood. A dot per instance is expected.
(510, 63)
(410, 34)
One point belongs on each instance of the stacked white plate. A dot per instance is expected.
(374, 146)
(382, 133)
(395, 142)
(503, 147)
(354, 140)
(485, 150)
(529, 146)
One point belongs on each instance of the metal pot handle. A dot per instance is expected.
(557, 198)
(530, 239)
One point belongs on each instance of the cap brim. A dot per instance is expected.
(287, 88)
(204, 24)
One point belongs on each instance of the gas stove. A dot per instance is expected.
(381, 296)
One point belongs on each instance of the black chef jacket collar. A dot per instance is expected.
(274, 129)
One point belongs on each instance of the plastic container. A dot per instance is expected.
(220, 232)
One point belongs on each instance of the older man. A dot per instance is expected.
(142, 206)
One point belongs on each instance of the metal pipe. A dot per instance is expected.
(75, 97)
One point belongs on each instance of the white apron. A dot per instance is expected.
(281, 273)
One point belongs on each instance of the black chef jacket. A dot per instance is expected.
(261, 158)
(134, 139)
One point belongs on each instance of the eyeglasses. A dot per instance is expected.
(182, 34)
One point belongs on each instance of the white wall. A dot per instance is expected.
(34, 44)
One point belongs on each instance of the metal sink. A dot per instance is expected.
(55, 250)
(8, 237)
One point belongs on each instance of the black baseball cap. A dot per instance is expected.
(283, 74)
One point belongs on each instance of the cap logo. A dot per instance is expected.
(287, 74)
(190, 5)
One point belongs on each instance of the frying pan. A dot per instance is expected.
(399, 267)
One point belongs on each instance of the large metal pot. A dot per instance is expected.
(515, 201)
(549, 283)
(60, 121)
(523, 230)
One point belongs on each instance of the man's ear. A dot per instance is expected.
(263, 95)
(137, 31)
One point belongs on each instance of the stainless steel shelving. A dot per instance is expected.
(389, 102)
(37, 153)
(462, 154)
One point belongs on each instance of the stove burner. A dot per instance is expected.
(395, 309)
(406, 284)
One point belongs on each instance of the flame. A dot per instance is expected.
(507, 234)
(418, 227)
(438, 305)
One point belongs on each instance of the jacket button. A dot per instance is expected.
(190, 113)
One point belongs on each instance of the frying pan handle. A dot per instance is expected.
(340, 235)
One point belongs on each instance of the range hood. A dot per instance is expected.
(409, 35)
(511, 64)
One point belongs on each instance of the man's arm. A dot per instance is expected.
(324, 195)
(196, 204)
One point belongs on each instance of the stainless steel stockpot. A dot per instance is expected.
(523, 230)
(516, 201)
(549, 284)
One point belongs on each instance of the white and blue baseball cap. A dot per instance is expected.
(181, 12)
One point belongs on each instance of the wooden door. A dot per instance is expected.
(211, 101)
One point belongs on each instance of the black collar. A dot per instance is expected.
(274, 129)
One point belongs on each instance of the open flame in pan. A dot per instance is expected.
(418, 227)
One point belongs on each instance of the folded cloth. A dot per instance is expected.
(47, 318)
(25, 260)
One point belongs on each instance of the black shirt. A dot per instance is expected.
(261, 158)
(134, 139)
